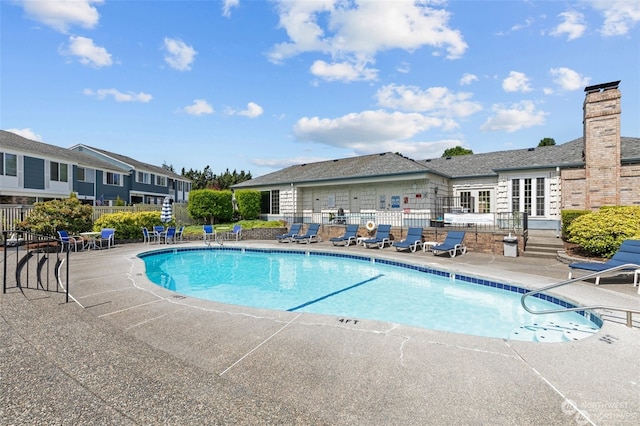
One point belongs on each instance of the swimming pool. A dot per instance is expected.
(360, 288)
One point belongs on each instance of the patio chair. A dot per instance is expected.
(310, 236)
(170, 235)
(453, 243)
(381, 239)
(149, 235)
(350, 236)
(627, 254)
(179, 233)
(208, 233)
(237, 231)
(66, 241)
(293, 231)
(412, 241)
(107, 235)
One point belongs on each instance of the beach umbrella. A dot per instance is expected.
(166, 214)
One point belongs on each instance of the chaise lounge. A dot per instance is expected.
(627, 254)
(381, 238)
(453, 243)
(412, 241)
(287, 237)
(310, 236)
(350, 236)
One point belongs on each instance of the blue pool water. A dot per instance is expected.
(359, 288)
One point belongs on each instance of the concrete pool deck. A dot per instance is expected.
(131, 352)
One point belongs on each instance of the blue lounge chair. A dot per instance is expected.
(293, 231)
(350, 236)
(627, 254)
(381, 238)
(453, 243)
(412, 241)
(170, 235)
(67, 241)
(107, 236)
(236, 231)
(149, 235)
(208, 234)
(179, 233)
(310, 236)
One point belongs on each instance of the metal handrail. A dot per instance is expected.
(628, 311)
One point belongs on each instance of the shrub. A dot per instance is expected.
(128, 226)
(248, 203)
(68, 214)
(568, 216)
(601, 233)
(210, 206)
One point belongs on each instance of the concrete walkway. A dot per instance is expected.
(131, 352)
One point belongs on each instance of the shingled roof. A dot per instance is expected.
(11, 140)
(366, 166)
(567, 155)
(133, 163)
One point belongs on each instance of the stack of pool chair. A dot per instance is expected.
(381, 239)
(350, 236)
(293, 231)
(627, 254)
(412, 241)
(310, 236)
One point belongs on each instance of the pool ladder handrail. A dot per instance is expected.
(628, 311)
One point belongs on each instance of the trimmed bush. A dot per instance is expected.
(48, 217)
(209, 206)
(248, 203)
(601, 233)
(568, 216)
(128, 226)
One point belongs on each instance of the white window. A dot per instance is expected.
(58, 172)
(8, 164)
(161, 180)
(113, 179)
(529, 195)
(142, 177)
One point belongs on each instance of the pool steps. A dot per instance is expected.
(552, 332)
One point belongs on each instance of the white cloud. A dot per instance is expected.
(253, 110)
(568, 79)
(26, 133)
(199, 107)
(343, 30)
(619, 15)
(467, 79)
(519, 116)
(118, 96)
(573, 25)
(61, 14)
(343, 71)
(228, 5)
(364, 128)
(437, 100)
(516, 82)
(179, 55)
(88, 53)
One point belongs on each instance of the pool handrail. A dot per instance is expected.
(628, 311)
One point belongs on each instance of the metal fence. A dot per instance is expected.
(511, 222)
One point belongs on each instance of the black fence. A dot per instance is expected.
(35, 262)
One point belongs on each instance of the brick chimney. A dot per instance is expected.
(602, 145)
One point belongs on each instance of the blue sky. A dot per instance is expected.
(260, 85)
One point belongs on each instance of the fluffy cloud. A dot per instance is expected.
(118, 96)
(437, 100)
(88, 53)
(199, 107)
(26, 133)
(467, 79)
(619, 15)
(568, 79)
(228, 5)
(572, 25)
(342, 30)
(179, 55)
(518, 116)
(62, 14)
(516, 82)
(253, 110)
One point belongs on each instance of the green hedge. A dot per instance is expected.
(568, 216)
(601, 233)
(129, 226)
(248, 203)
(209, 206)
(56, 215)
